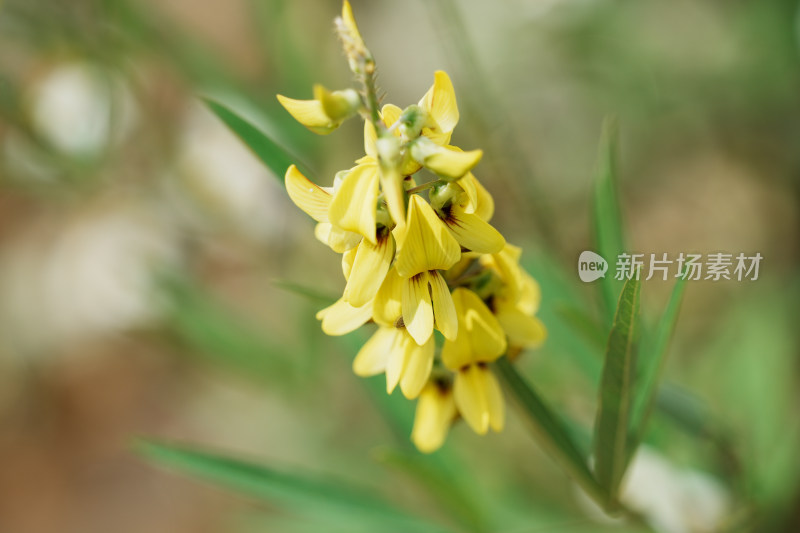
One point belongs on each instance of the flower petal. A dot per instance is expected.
(310, 114)
(307, 195)
(444, 311)
(369, 270)
(530, 294)
(341, 317)
(424, 243)
(370, 136)
(452, 163)
(522, 329)
(389, 114)
(473, 233)
(435, 412)
(485, 207)
(354, 203)
(440, 103)
(480, 337)
(417, 308)
(469, 391)
(467, 183)
(388, 308)
(348, 257)
(338, 239)
(397, 359)
(418, 367)
(373, 356)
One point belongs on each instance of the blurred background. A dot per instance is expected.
(145, 255)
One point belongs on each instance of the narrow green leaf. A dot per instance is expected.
(649, 365)
(315, 295)
(608, 230)
(276, 157)
(303, 493)
(611, 425)
(549, 430)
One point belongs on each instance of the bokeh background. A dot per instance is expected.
(145, 254)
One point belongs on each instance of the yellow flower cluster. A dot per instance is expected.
(417, 258)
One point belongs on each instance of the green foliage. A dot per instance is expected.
(611, 425)
(276, 157)
(303, 494)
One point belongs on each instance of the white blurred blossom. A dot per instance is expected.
(671, 499)
(81, 109)
(90, 274)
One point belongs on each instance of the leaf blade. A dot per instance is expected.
(611, 423)
(651, 362)
(276, 157)
(608, 228)
(297, 491)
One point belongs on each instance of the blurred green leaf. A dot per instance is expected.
(303, 493)
(549, 431)
(616, 386)
(276, 157)
(608, 230)
(649, 364)
(310, 293)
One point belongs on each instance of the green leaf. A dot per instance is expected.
(649, 365)
(302, 493)
(315, 295)
(549, 430)
(276, 157)
(608, 230)
(611, 425)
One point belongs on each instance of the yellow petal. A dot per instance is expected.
(369, 270)
(435, 412)
(479, 399)
(348, 257)
(467, 183)
(310, 114)
(473, 233)
(530, 295)
(522, 329)
(393, 193)
(306, 195)
(506, 264)
(370, 136)
(480, 336)
(469, 392)
(418, 367)
(341, 317)
(424, 243)
(417, 308)
(452, 163)
(390, 113)
(338, 105)
(372, 357)
(444, 311)
(440, 103)
(350, 23)
(397, 358)
(388, 308)
(485, 205)
(354, 203)
(338, 239)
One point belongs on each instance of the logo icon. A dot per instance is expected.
(591, 266)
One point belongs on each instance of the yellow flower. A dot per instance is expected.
(355, 201)
(436, 410)
(326, 111)
(367, 272)
(480, 337)
(479, 399)
(518, 301)
(480, 340)
(424, 243)
(441, 108)
(392, 350)
(427, 303)
(448, 162)
(342, 318)
(470, 230)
